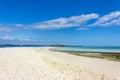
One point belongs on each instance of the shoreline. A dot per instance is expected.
(99, 49)
(88, 51)
(102, 55)
(114, 56)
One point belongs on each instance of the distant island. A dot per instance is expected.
(14, 45)
(57, 45)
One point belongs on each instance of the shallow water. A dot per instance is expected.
(111, 49)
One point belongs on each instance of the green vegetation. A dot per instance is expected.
(109, 56)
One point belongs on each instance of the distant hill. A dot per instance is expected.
(57, 45)
(13, 45)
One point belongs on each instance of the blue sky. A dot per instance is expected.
(69, 22)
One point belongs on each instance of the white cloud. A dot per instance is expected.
(7, 38)
(5, 29)
(19, 25)
(73, 21)
(112, 22)
(83, 28)
(24, 39)
(29, 40)
(110, 19)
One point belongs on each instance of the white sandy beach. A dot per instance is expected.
(43, 64)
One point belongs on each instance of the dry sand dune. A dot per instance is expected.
(43, 64)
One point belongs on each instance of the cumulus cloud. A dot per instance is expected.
(73, 21)
(110, 19)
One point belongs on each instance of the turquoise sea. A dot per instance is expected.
(107, 49)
